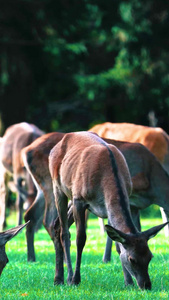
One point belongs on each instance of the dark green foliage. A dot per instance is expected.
(66, 65)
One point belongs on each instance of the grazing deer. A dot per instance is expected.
(95, 176)
(150, 184)
(4, 238)
(15, 138)
(35, 157)
(154, 138)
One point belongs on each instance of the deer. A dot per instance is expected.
(95, 176)
(4, 238)
(15, 138)
(43, 209)
(150, 185)
(154, 138)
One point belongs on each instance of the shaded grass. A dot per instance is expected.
(21, 279)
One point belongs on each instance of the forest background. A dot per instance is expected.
(66, 65)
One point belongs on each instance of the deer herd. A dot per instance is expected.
(113, 170)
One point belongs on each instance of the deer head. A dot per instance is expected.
(134, 253)
(4, 238)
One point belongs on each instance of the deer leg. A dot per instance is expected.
(30, 242)
(127, 277)
(3, 195)
(64, 241)
(2, 206)
(19, 200)
(20, 208)
(35, 215)
(58, 246)
(52, 225)
(107, 252)
(59, 270)
(50, 214)
(79, 215)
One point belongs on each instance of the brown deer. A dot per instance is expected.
(150, 184)
(95, 176)
(154, 138)
(4, 238)
(15, 138)
(35, 157)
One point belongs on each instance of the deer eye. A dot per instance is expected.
(132, 260)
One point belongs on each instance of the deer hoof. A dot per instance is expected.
(58, 281)
(76, 280)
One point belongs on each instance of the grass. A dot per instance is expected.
(23, 280)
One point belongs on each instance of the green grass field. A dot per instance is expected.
(23, 280)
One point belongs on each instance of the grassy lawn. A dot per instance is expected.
(23, 280)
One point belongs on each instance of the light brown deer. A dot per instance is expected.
(154, 138)
(95, 176)
(4, 238)
(150, 184)
(15, 138)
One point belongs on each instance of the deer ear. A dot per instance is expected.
(9, 234)
(116, 235)
(150, 233)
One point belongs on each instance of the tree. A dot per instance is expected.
(66, 65)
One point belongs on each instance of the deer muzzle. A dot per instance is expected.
(144, 283)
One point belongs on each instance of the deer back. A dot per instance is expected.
(155, 139)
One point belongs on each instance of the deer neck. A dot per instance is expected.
(119, 215)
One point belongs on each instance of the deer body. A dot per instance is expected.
(15, 138)
(35, 157)
(150, 184)
(96, 177)
(153, 138)
(150, 180)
